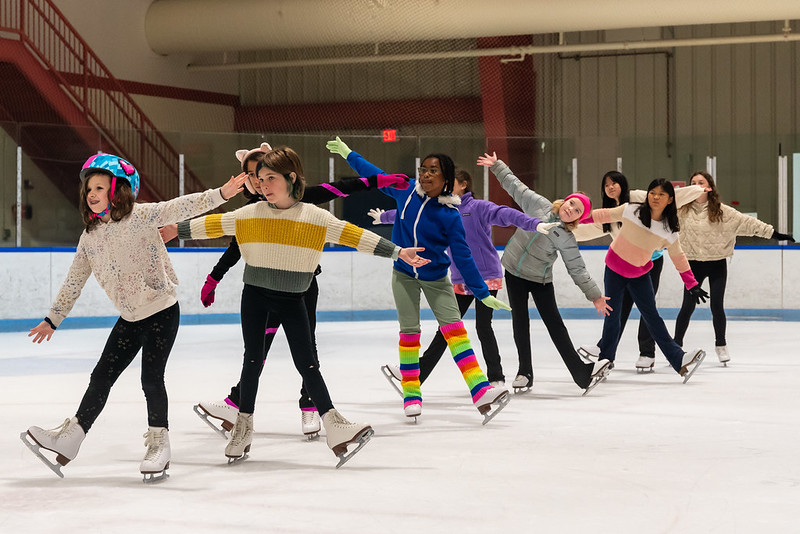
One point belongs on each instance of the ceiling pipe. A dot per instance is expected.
(516, 53)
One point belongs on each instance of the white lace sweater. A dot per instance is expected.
(129, 259)
(703, 240)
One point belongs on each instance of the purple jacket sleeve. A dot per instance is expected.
(508, 216)
(388, 216)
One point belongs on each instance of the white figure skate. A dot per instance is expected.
(393, 375)
(498, 383)
(156, 459)
(691, 361)
(64, 440)
(589, 352)
(522, 384)
(220, 411)
(722, 354)
(311, 424)
(340, 433)
(492, 402)
(599, 374)
(241, 438)
(645, 364)
(413, 410)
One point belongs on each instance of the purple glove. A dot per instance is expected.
(398, 181)
(207, 292)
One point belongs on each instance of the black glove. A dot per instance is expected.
(698, 293)
(782, 237)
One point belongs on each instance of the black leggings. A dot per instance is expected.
(155, 335)
(257, 305)
(483, 324)
(717, 273)
(310, 298)
(545, 300)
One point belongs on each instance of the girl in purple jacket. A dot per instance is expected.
(478, 217)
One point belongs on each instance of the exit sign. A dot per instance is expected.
(389, 135)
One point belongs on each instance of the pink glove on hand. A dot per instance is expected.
(207, 292)
(398, 181)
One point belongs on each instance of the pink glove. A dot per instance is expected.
(207, 292)
(398, 181)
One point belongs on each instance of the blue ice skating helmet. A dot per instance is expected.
(113, 165)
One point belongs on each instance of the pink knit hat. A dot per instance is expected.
(587, 204)
(242, 155)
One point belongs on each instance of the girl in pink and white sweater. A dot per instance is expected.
(647, 227)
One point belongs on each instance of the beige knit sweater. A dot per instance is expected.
(129, 259)
(703, 240)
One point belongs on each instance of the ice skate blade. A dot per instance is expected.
(237, 460)
(499, 403)
(586, 355)
(596, 380)
(392, 380)
(312, 436)
(155, 478)
(221, 430)
(341, 450)
(36, 449)
(645, 370)
(700, 357)
(521, 390)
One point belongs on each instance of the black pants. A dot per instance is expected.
(155, 336)
(483, 324)
(310, 298)
(717, 273)
(257, 305)
(545, 300)
(647, 347)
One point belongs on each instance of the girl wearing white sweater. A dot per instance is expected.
(122, 248)
(708, 235)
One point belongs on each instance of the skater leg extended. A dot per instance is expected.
(409, 368)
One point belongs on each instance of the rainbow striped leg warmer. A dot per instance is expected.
(456, 336)
(409, 368)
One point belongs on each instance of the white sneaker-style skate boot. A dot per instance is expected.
(413, 410)
(722, 354)
(156, 459)
(589, 352)
(490, 404)
(311, 424)
(645, 364)
(522, 384)
(394, 376)
(340, 433)
(241, 438)
(691, 361)
(600, 372)
(64, 440)
(221, 411)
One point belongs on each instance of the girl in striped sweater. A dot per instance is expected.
(647, 227)
(281, 241)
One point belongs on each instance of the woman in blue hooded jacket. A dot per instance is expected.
(428, 216)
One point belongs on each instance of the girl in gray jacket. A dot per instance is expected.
(528, 263)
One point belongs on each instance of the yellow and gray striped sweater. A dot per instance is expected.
(282, 247)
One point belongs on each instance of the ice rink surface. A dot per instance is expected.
(640, 453)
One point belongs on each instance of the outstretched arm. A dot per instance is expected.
(530, 201)
(322, 193)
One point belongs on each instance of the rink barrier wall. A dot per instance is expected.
(763, 282)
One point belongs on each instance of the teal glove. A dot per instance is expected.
(338, 147)
(495, 304)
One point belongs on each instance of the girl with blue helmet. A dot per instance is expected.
(122, 248)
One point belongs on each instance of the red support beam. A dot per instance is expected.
(352, 115)
(507, 104)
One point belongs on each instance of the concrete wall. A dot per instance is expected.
(759, 279)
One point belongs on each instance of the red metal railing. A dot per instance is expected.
(103, 100)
